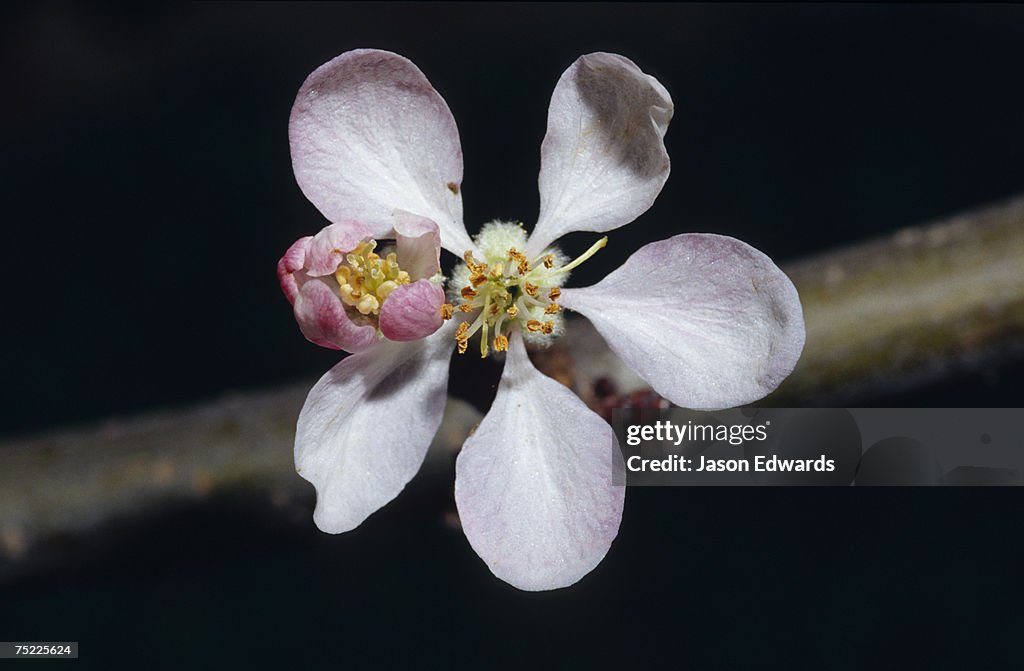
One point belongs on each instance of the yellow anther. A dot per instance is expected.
(368, 304)
(497, 271)
(553, 309)
(468, 293)
(534, 326)
(466, 307)
(463, 346)
(548, 260)
(530, 288)
(476, 279)
(365, 279)
(447, 311)
(554, 294)
(547, 327)
(500, 344)
(512, 311)
(494, 309)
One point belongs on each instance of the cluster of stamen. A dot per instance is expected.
(366, 278)
(507, 291)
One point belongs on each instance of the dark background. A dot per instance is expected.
(148, 195)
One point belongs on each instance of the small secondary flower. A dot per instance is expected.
(708, 321)
(345, 294)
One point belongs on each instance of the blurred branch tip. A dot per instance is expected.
(885, 316)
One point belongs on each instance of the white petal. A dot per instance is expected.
(370, 135)
(708, 321)
(603, 161)
(533, 484)
(366, 426)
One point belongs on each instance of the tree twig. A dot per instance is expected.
(896, 312)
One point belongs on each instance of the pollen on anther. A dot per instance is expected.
(500, 344)
(512, 311)
(472, 264)
(466, 307)
(447, 311)
(554, 294)
(553, 309)
(547, 328)
(461, 338)
(533, 326)
(468, 293)
(531, 288)
(476, 279)
(522, 264)
(548, 260)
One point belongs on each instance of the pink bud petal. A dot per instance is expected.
(412, 311)
(418, 245)
(323, 320)
(292, 261)
(329, 246)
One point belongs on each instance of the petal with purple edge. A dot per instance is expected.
(533, 484)
(370, 135)
(329, 246)
(603, 159)
(418, 245)
(323, 320)
(366, 426)
(708, 321)
(412, 311)
(292, 261)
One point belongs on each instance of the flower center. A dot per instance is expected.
(365, 279)
(506, 288)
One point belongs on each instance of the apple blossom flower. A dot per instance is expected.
(708, 321)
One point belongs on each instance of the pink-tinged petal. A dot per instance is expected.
(366, 426)
(292, 261)
(708, 321)
(370, 135)
(418, 244)
(603, 160)
(412, 311)
(329, 246)
(322, 319)
(533, 484)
